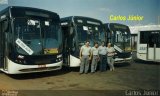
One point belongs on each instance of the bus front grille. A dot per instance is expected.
(124, 55)
(40, 69)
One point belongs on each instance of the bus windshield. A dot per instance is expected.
(38, 35)
(91, 33)
(122, 38)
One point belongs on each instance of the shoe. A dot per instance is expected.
(92, 72)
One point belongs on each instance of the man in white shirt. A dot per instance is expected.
(85, 56)
(110, 54)
(95, 57)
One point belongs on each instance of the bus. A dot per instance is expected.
(148, 45)
(30, 40)
(76, 30)
(119, 36)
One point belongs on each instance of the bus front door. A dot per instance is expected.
(154, 46)
(65, 30)
(2, 44)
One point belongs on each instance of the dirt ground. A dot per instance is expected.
(138, 75)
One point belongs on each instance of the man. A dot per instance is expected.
(103, 57)
(85, 56)
(95, 57)
(110, 54)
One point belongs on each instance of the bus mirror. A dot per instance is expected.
(5, 25)
(71, 30)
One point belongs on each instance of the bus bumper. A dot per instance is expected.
(14, 68)
(123, 60)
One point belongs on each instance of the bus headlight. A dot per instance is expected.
(21, 61)
(59, 56)
(58, 60)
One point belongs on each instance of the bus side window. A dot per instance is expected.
(3, 29)
(144, 37)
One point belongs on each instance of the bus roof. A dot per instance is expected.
(116, 27)
(136, 29)
(19, 11)
(81, 19)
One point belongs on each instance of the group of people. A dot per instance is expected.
(95, 54)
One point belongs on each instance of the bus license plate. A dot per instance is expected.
(41, 66)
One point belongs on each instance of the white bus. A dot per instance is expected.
(148, 43)
(30, 40)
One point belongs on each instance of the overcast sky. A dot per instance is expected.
(99, 9)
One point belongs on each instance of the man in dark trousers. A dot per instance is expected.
(103, 57)
(95, 57)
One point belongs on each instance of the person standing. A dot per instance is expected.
(95, 57)
(103, 57)
(110, 55)
(85, 56)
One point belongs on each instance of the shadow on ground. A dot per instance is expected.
(122, 65)
(63, 71)
(138, 61)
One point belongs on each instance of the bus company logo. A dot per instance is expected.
(142, 48)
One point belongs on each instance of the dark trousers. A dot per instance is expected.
(103, 63)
